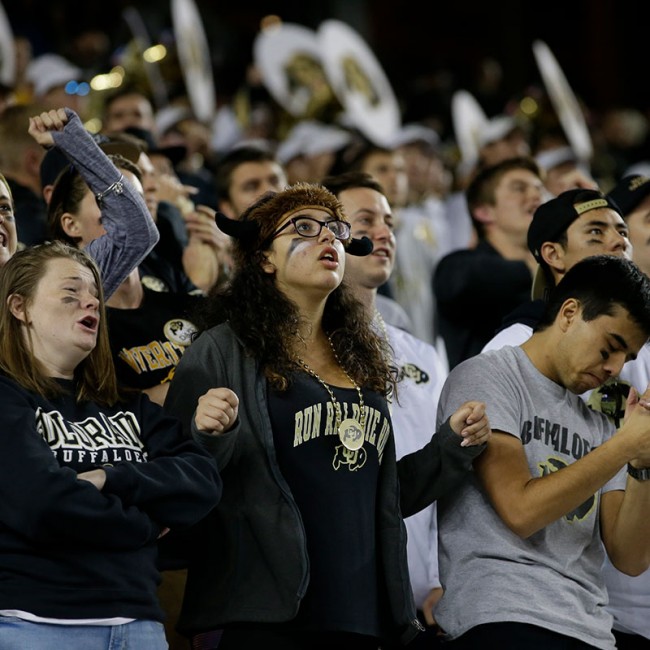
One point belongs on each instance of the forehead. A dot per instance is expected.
(619, 325)
(599, 215)
(133, 103)
(63, 268)
(4, 190)
(379, 159)
(255, 171)
(314, 211)
(518, 176)
(363, 198)
(133, 179)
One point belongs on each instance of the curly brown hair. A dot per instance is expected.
(267, 322)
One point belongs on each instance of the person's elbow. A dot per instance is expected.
(520, 521)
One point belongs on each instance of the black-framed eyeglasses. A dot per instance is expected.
(310, 227)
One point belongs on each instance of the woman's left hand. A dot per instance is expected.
(41, 126)
(471, 423)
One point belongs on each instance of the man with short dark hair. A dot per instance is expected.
(475, 288)
(525, 538)
(574, 225)
(245, 173)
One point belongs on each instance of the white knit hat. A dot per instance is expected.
(48, 71)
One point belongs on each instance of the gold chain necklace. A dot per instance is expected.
(350, 431)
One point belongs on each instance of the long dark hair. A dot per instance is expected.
(267, 322)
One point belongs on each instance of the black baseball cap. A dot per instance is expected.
(629, 192)
(551, 220)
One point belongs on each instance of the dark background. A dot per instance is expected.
(427, 49)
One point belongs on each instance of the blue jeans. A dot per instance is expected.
(17, 634)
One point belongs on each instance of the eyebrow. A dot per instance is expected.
(621, 341)
(605, 224)
(78, 278)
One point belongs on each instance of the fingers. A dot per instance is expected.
(476, 411)
(429, 603)
(42, 125)
(217, 410)
(634, 399)
(53, 120)
(201, 224)
(476, 434)
(476, 429)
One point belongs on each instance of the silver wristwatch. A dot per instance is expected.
(640, 474)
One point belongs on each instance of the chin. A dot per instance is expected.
(87, 347)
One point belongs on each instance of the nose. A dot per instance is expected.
(619, 242)
(614, 364)
(326, 234)
(91, 301)
(269, 186)
(383, 232)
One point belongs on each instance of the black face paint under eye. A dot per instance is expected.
(294, 244)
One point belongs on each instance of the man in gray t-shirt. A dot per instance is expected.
(522, 543)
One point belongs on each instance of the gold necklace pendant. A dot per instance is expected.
(351, 434)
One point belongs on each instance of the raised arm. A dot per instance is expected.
(130, 231)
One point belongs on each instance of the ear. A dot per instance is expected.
(553, 254)
(47, 193)
(70, 225)
(16, 304)
(268, 266)
(32, 159)
(570, 311)
(226, 208)
(483, 214)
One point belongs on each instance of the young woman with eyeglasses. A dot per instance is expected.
(307, 547)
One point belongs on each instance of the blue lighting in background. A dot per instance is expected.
(77, 88)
